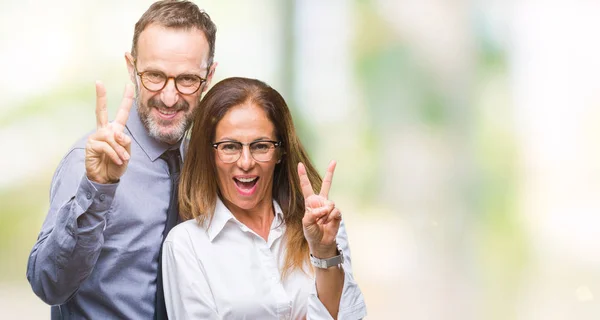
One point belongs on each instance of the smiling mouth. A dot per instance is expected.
(167, 113)
(245, 183)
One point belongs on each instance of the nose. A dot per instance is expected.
(169, 94)
(246, 162)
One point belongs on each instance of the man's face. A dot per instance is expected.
(167, 113)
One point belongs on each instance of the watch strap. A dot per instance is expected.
(329, 262)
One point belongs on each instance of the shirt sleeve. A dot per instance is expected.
(187, 293)
(352, 303)
(69, 244)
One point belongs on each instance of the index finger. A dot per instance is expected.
(123, 112)
(327, 180)
(307, 189)
(101, 113)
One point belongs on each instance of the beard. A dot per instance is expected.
(168, 131)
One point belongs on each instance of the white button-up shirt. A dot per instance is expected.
(227, 271)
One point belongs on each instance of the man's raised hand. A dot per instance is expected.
(107, 151)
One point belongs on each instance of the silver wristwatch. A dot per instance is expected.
(329, 262)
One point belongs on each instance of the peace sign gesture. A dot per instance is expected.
(107, 151)
(321, 219)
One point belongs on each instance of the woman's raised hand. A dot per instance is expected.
(321, 218)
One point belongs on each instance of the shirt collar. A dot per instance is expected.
(151, 147)
(278, 211)
(222, 215)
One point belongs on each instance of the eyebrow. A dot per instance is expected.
(178, 75)
(154, 68)
(257, 139)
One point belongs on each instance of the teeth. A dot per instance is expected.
(167, 112)
(246, 179)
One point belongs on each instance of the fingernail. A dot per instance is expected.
(125, 155)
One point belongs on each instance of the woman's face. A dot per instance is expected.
(245, 184)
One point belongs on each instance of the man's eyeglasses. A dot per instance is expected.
(184, 83)
(231, 151)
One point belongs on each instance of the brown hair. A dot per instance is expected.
(198, 187)
(178, 15)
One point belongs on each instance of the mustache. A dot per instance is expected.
(155, 102)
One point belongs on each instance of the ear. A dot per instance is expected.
(130, 62)
(211, 72)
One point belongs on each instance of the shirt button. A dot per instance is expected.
(102, 197)
(88, 195)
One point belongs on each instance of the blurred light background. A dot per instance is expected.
(467, 135)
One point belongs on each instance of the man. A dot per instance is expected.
(97, 256)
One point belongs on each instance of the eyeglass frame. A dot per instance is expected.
(276, 144)
(141, 74)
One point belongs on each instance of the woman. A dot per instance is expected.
(256, 221)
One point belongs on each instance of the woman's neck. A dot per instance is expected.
(258, 219)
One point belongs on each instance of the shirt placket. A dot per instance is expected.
(283, 304)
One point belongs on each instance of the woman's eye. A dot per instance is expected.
(261, 146)
(230, 146)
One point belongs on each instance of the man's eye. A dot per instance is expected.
(187, 80)
(154, 76)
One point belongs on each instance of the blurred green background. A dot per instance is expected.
(466, 135)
